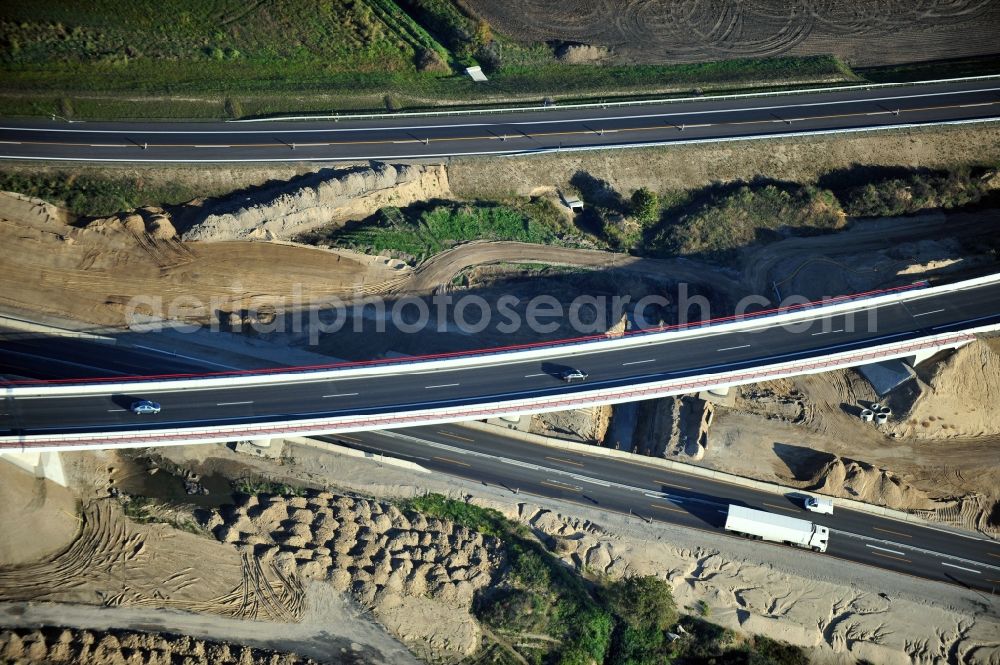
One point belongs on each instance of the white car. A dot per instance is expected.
(571, 375)
(144, 407)
(817, 504)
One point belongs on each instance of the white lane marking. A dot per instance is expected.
(442, 385)
(639, 362)
(926, 313)
(116, 410)
(730, 348)
(956, 323)
(528, 376)
(876, 547)
(536, 122)
(341, 395)
(824, 332)
(971, 570)
(233, 403)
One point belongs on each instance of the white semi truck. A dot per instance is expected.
(777, 528)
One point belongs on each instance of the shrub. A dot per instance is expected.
(643, 602)
(724, 220)
(645, 205)
(919, 191)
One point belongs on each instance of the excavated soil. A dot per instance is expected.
(84, 647)
(114, 561)
(805, 431)
(862, 32)
(418, 575)
(109, 270)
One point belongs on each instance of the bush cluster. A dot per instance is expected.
(624, 622)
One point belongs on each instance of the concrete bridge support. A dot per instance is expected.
(41, 465)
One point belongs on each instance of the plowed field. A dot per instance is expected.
(862, 32)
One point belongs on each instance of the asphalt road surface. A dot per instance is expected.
(412, 389)
(652, 493)
(421, 137)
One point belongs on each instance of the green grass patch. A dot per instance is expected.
(253, 485)
(419, 232)
(95, 196)
(484, 520)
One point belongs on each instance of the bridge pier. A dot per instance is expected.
(46, 465)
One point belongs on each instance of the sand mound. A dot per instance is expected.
(864, 482)
(390, 562)
(318, 200)
(37, 517)
(87, 647)
(960, 396)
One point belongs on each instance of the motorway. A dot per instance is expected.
(653, 493)
(635, 487)
(501, 133)
(495, 381)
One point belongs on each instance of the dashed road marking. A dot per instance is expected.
(233, 403)
(451, 461)
(876, 547)
(889, 556)
(730, 348)
(660, 506)
(898, 533)
(564, 461)
(639, 362)
(441, 385)
(935, 311)
(455, 436)
(971, 570)
(341, 395)
(788, 508)
(562, 486)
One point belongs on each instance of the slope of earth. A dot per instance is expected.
(39, 517)
(862, 32)
(805, 431)
(108, 270)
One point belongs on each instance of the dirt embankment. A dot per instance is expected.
(326, 197)
(84, 647)
(933, 455)
(109, 269)
(417, 575)
(674, 168)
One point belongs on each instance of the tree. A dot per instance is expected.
(645, 205)
(643, 602)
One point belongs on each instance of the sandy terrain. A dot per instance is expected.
(83, 647)
(404, 570)
(802, 159)
(863, 32)
(92, 272)
(39, 516)
(805, 432)
(881, 252)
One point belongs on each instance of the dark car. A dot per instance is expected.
(571, 375)
(144, 406)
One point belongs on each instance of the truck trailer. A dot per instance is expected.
(777, 528)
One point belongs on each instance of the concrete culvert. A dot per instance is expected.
(882, 418)
(885, 411)
(867, 415)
